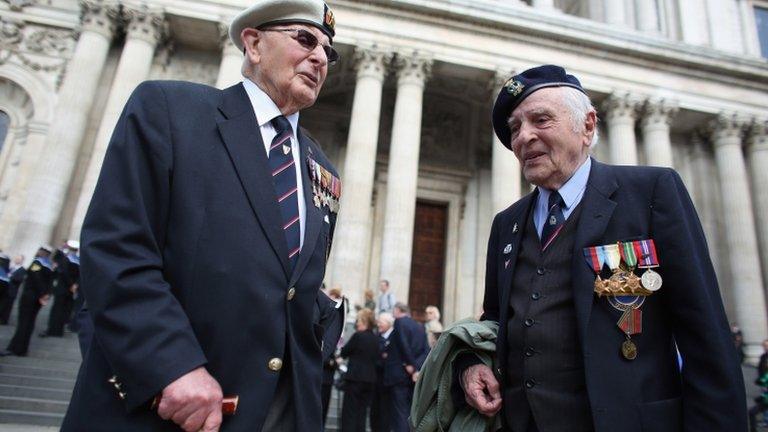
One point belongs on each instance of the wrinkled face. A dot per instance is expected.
(544, 140)
(289, 73)
(382, 325)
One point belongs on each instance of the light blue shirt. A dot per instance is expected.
(572, 192)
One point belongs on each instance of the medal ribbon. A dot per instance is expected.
(595, 257)
(612, 256)
(631, 321)
(628, 254)
(646, 252)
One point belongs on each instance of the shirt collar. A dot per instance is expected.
(573, 188)
(386, 334)
(264, 107)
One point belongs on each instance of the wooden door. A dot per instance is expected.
(428, 258)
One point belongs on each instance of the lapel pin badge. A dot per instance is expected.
(506, 264)
(326, 219)
(508, 248)
(514, 228)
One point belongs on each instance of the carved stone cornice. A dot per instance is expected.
(727, 128)
(371, 61)
(145, 24)
(99, 16)
(412, 67)
(658, 112)
(621, 106)
(18, 5)
(500, 76)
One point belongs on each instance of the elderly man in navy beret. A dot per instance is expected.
(206, 241)
(598, 278)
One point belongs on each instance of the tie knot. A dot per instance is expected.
(281, 125)
(555, 199)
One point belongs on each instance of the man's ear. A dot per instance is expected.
(590, 125)
(250, 38)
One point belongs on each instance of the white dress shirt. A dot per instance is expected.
(265, 110)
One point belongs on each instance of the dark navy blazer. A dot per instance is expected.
(408, 346)
(650, 393)
(184, 264)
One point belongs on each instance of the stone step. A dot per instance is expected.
(30, 418)
(43, 372)
(41, 363)
(35, 392)
(33, 405)
(33, 381)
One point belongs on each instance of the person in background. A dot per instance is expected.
(17, 273)
(362, 352)
(433, 326)
(369, 303)
(380, 407)
(386, 301)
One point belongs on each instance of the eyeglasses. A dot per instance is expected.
(309, 42)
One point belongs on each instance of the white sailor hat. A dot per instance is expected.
(267, 12)
(47, 248)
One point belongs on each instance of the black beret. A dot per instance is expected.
(519, 87)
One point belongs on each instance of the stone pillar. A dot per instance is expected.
(621, 111)
(757, 149)
(145, 28)
(657, 116)
(505, 168)
(647, 14)
(231, 60)
(353, 234)
(615, 12)
(724, 26)
(747, 286)
(403, 172)
(749, 28)
(48, 187)
(693, 21)
(544, 4)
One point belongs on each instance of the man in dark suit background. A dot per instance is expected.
(17, 273)
(405, 354)
(206, 241)
(567, 361)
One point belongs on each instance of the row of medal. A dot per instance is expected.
(326, 187)
(624, 290)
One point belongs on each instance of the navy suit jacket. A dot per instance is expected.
(408, 346)
(650, 393)
(185, 264)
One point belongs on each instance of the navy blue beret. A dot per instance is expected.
(519, 87)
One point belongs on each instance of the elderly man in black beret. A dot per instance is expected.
(206, 241)
(598, 278)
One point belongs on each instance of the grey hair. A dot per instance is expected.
(579, 105)
(387, 317)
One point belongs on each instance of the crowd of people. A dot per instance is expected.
(51, 274)
(379, 361)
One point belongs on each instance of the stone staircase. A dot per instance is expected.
(35, 390)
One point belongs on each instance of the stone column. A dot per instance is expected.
(403, 172)
(48, 187)
(757, 149)
(693, 21)
(352, 241)
(657, 116)
(544, 4)
(615, 12)
(749, 28)
(145, 28)
(505, 168)
(647, 13)
(747, 286)
(231, 60)
(621, 111)
(724, 26)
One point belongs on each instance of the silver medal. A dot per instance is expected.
(651, 280)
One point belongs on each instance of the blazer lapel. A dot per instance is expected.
(510, 240)
(597, 209)
(314, 216)
(242, 140)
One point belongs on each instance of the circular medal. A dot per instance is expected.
(629, 349)
(651, 280)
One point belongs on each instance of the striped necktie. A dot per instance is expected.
(284, 177)
(555, 220)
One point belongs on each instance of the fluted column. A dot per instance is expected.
(52, 175)
(657, 117)
(621, 111)
(694, 26)
(757, 150)
(145, 28)
(355, 218)
(505, 168)
(231, 60)
(724, 25)
(647, 13)
(748, 294)
(403, 172)
(706, 197)
(615, 12)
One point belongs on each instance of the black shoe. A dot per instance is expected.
(5, 353)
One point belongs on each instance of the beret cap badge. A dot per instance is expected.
(330, 20)
(514, 87)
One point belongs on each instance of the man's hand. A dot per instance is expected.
(481, 389)
(43, 300)
(410, 369)
(193, 402)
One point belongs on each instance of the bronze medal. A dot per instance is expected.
(629, 349)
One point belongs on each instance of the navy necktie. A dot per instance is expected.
(555, 220)
(284, 177)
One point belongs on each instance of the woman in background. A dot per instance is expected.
(362, 350)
